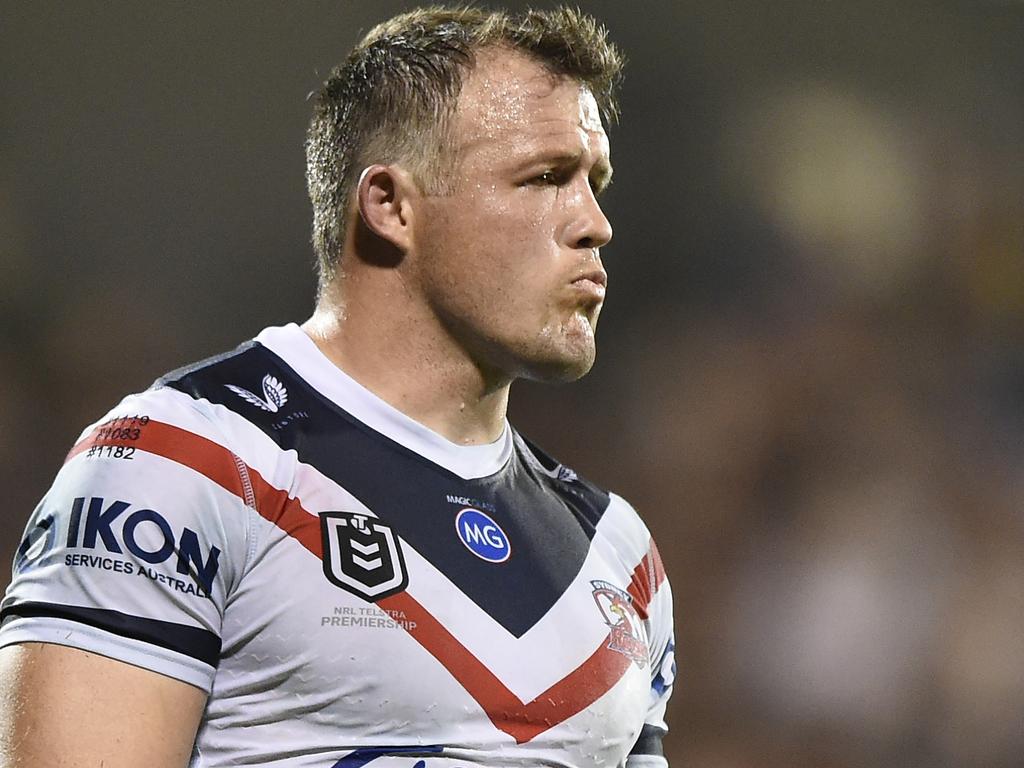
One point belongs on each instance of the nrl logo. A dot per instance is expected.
(626, 635)
(274, 395)
(362, 555)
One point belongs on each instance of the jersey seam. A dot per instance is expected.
(249, 498)
(250, 502)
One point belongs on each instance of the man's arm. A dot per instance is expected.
(656, 594)
(67, 708)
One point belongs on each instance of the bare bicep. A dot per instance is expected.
(67, 708)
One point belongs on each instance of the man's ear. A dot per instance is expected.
(386, 195)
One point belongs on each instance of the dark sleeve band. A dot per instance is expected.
(197, 643)
(649, 742)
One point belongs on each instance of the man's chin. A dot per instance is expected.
(563, 368)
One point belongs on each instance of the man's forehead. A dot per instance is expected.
(507, 94)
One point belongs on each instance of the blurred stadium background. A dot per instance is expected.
(811, 378)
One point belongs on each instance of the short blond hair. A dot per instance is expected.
(393, 98)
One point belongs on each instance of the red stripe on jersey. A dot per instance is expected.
(220, 465)
(521, 720)
(647, 577)
(194, 451)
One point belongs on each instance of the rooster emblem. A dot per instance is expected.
(274, 395)
(626, 634)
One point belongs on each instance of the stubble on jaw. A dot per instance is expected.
(509, 102)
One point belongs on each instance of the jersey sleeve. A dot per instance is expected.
(648, 751)
(138, 544)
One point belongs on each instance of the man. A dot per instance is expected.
(327, 547)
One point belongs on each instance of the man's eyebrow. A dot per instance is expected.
(600, 173)
(554, 157)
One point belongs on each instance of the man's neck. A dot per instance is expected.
(418, 373)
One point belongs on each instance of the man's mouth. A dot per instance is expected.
(593, 283)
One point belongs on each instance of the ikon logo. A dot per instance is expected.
(482, 536)
(145, 533)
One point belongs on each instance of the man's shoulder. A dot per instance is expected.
(231, 370)
(561, 475)
(621, 520)
(249, 382)
(579, 492)
(184, 403)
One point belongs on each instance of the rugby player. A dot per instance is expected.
(327, 547)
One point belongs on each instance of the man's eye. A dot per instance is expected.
(546, 178)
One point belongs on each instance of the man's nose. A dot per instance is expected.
(593, 228)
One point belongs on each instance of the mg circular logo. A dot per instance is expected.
(482, 536)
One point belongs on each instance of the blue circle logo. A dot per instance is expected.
(482, 536)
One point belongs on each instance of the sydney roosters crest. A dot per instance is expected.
(626, 635)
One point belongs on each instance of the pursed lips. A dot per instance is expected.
(593, 282)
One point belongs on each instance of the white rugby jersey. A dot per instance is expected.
(349, 587)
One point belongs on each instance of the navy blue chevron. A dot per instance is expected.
(548, 514)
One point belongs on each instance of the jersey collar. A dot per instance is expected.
(292, 345)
